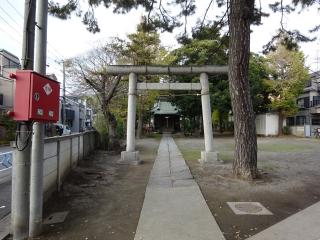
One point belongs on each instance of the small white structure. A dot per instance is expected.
(267, 124)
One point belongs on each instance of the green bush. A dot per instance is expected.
(101, 126)
(286, 130)
(188, 127)
(120, 129)
(10, 127)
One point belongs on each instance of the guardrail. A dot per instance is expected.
(61, 154)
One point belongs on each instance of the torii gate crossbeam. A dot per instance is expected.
(131, 156)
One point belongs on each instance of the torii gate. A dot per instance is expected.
(131, 155)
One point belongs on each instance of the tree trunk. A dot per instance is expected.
(113, 143)
(140, 124)
(245, 162)
(280, 123)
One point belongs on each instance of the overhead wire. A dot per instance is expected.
(16, 10)
(57, 55)
(12, 19)
(12, 37)
(13, 28)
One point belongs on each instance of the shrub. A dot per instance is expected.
(286, 130)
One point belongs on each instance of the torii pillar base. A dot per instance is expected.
(130, 158)
(209, 157)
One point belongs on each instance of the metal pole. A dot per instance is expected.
(64, 93)
(131, 118)
(206, 113)
(36, 180)
(21, 162)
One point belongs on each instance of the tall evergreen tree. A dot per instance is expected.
(241, 15)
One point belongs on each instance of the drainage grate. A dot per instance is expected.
(57, 217)
(248, 208)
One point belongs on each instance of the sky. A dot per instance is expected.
(70, 38)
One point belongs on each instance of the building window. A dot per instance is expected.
(309, 83)
(316, 101)
(290, 121)
(304, 102)
(315, 121)
(300, 120)
(1, 100)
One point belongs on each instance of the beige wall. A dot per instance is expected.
(61, 154)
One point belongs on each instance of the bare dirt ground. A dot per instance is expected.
(104, 199)
(290, 181)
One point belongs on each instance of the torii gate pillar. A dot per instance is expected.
(131, 156)
(209, 154)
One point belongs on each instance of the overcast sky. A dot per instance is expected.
(70, 38)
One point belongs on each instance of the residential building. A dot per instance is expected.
(8, 63)
(79, 116)
(309, 108)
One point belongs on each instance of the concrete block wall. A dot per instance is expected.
(297, 131)
(61, 154)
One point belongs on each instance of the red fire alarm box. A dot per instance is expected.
(36, 97)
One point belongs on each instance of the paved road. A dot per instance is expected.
(5, 199)
(5, 190)
(6, 149)
(174, 207)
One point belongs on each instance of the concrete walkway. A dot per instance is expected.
(174, 207)
(303, 225)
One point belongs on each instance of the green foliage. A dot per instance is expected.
(206, 47)
(286, 130)
(9, 125)
(258, 73)
(209, 47)
(289, 77)
(220, 121)
(120, 128)
(100, 124)
(187, 126)
(143, 47)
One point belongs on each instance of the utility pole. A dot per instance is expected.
(64, 93)
(36, 180)
(21, 163)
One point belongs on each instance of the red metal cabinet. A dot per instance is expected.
(36, 97)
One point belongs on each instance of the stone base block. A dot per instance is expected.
(131, 158)
(209, 157)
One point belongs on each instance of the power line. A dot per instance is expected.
(13, 38)
(16, 10)
(58, 55)
(10, 25)
(12, 19)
